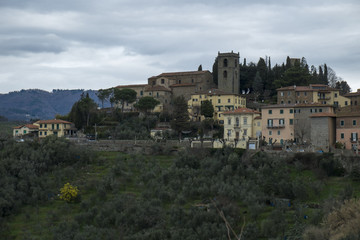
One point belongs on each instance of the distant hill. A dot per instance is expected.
(40, 104)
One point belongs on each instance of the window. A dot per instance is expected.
(45, 126)
(40, 125)
(225, 74)
(342, 123)
(270, 111)
(279, 132)
(354, 122)
(305, 93)
(282, 122)
(40, 133)
(281, 111)
(320, 110)
(229, 121)
(291, 121)
(225, 62)
(237, 121)
(192, 80)
(270, 133)
(235, 62)
(157, 94)
(270, 122)
(289, 93)
(219, 100)
(220, 115)
(291, 110)
(24, 131)
(229, 133)
(258, 123)
(346, 103)
(245, 120)
(354, 137)
(282, 94)
(289, 102)
(298, 93)
(245, 132)
(335, 94)
(342, 136)
(45, 133)
(200, 96)
(355, 103)
(229, 100)
(150, 93)
(52, 126)
(141, 93)
(162, 81)
(179, 81)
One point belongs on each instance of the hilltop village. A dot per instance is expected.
(300, 117)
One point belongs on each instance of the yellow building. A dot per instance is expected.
(56, 127)
(220, 100)
(314, 93)
(242, 128)
(26, 129)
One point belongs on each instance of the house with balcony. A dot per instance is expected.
(221, 101)
(55, 127)
(314, 93)
(348, 127)
(242, 128)
(278, 123)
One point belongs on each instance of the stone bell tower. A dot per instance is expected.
(229, 72)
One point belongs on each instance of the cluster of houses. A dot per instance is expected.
(315, 116)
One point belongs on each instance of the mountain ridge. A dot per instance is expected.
(30, 104)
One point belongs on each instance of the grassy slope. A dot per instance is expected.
(37, 220)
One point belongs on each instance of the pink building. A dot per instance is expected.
(348, 127)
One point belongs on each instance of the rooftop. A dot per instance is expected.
(55, 121)
(242, 111)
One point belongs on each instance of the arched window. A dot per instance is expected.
(236, 63)
(225, 74)
(237, 122)
(225, 62)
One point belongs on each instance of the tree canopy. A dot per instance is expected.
(207, 109)
(180, 120)
(146, 104)
(83, 112)
(123, 96)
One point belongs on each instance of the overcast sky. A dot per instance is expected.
(92, 44)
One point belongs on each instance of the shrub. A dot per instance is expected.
(69, 193)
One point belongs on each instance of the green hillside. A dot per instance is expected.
(198, 194)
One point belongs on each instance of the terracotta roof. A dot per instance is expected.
(52, 121)
(183, 85)
(171, 74)
(324, 114)
(132, 86)
(241, 111)
(279, 106)
(31, 126)
(307, 88)
(352, 94)
(156, 88)
(258, 117)
(314, 104)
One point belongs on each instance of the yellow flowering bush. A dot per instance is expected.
(69, 193)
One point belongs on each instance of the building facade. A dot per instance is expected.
(278, 123)
(314, 93)
(55, 127)
(220, 100)
(348, 127)
(241, 126)
(354, 98)
(25, 129)
(323, 131)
